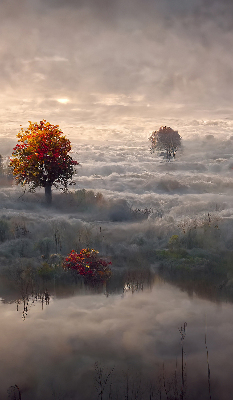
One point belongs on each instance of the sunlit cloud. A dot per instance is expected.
(120, 64)
(63, 101)
(54, 58)
(119, 100)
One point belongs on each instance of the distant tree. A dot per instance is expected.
(165, 139)
(41, 159)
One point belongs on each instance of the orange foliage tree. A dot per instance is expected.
(41, 159)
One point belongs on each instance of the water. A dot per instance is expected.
(59, 350)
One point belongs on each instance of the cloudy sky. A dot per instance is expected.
(114, 63)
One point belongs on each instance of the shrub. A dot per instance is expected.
(88, 264)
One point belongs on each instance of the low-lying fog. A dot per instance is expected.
(127, 203)
(138, 196)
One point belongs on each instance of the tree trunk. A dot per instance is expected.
(48, 193)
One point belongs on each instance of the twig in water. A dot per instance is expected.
(182, 331)
(101, 381)
(208, 365)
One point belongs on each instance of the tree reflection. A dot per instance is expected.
(136, 280)
(27, 287)
(14, 393)
(29, 300)
(199, 282)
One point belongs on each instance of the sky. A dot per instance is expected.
(114, 64)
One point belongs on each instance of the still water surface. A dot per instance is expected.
(130, 340)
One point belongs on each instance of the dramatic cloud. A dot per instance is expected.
(114, 61)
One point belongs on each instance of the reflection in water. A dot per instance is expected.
(14, 393)
(200, 282)
(134, 338)
(29, 289)
(136, 280)
(28, 300)
(25, 291)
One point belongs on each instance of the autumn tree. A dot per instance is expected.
(165, 139)
(41, 159)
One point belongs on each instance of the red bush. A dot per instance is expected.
(88, 264)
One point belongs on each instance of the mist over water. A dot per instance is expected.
(55, 350)
(127, 204)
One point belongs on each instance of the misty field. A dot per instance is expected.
(167, 228)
